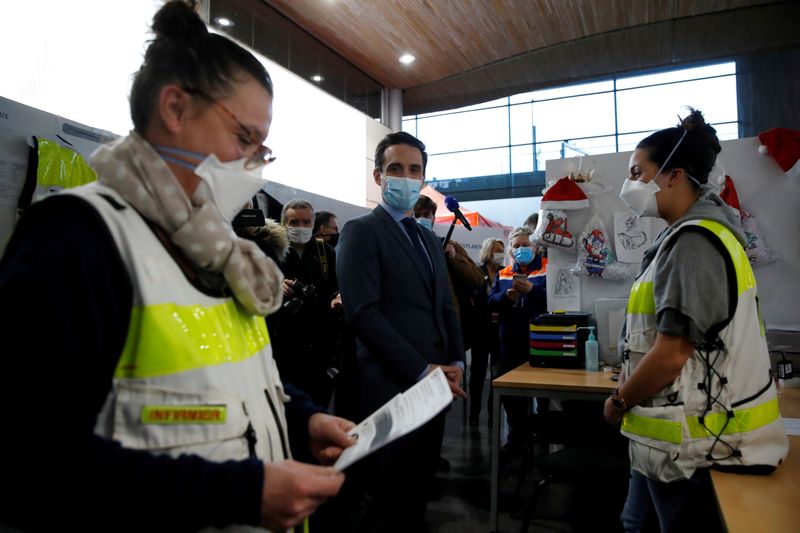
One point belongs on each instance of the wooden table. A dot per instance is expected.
(746, 503)
(764, 503)
(525, 380)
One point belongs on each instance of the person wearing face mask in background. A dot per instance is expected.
(142, 324)
(486, 348)
(397, 300)
(326, 227)
(465, 276)
(305, 330)
(425, 212)
(519, 295)
(696, 390)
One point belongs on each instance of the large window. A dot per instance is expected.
(519, 133)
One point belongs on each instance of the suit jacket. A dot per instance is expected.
(403, 318)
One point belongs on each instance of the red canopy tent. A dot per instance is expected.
(443, 216)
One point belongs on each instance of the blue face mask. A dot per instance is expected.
(425, 223)
(523, 255)
(401, 193)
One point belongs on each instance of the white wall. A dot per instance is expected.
(56, 60)
(75, 59)
(322, 145)
(375, 132)
(763, 189)
(342, 210)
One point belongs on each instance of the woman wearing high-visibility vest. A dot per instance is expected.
(137, 364)
(696, 391)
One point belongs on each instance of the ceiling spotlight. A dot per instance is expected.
(225, 22)
(317, 78)
(407, 59)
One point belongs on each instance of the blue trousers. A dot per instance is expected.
(681, 506)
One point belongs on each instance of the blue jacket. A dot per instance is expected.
(515, 317)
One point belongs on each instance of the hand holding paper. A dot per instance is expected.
(454, 375)
(399, 416)
(328, 436)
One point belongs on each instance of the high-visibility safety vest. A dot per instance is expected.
(196, 374)
(722, 409)
(52, 168)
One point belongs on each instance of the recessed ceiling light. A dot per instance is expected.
(225, 22)
(317, 78)
(407, 58)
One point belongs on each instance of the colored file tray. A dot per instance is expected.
(554, 328)
(554, 345)
(551, 353)
(554, 337)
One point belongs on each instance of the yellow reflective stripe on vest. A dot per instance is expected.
(743, 420)
(184, 414)
(168, 338)
(654, 428)
(61, 167)
(642, 300)
(745, 279)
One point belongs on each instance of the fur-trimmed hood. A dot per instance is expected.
(271, 238)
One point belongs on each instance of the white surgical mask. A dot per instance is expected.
(299, 235)
(641, 197)
(498, 258)
(231, 185)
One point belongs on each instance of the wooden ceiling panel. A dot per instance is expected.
(474, 50)
(449, 37)
(673, 42)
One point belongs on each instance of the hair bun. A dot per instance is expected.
(178, 21)
(693, 121)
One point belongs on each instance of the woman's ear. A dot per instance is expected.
(173, 107)
(673, 175)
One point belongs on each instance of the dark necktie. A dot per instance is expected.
(412, 230)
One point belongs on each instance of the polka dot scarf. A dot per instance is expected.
(134, 169)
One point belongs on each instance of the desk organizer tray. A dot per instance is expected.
(556, 341)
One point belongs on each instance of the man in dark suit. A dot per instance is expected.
(397, 300)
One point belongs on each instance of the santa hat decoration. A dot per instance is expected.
(728, 193)
(564, 194)
(783, 145)
(757, 251)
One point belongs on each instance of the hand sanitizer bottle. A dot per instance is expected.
(592, 351)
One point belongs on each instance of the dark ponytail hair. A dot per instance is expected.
(697, 152)
(185, 53)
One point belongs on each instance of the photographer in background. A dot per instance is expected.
(304, 331)
(326, 227)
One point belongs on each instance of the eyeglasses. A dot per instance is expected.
(263, 155)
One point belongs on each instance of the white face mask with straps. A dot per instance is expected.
(640, 197)
(231, 183)
(299, 235)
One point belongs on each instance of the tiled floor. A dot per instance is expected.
(463, 499)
